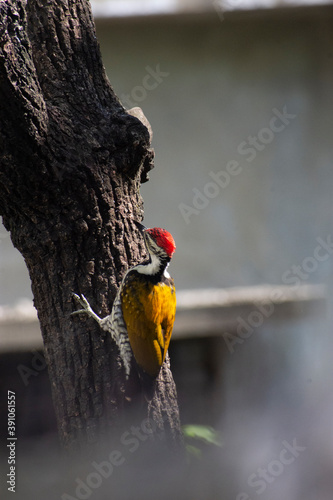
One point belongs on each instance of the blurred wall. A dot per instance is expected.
(222, 84)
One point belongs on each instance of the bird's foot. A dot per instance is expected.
(86, 307)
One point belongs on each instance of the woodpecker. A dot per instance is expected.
(143, 313)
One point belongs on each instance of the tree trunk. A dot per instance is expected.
(72, 160)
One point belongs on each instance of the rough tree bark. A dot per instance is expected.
(72, 160)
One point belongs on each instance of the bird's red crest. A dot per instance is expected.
(163, 239)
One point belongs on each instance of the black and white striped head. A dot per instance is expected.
(160, 247)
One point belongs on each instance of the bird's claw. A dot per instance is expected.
(86, 307)
(84, 303)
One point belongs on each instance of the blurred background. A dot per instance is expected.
(239, 96)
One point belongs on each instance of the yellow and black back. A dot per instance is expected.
(149, 309)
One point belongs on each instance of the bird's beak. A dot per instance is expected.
(141, 227)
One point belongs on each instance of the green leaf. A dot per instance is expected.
(202, 433)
